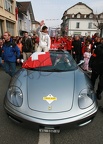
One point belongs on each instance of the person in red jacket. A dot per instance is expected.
(69, 44)
(58, 42)
(52, 46)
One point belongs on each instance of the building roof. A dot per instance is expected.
(36, 22)
(26, 6)
(79, 3)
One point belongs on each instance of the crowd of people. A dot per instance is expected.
(13, 50)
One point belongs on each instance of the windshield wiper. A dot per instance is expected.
(55, 70)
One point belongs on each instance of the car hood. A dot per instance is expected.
(51, 92)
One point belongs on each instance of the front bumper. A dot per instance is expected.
(79, 120)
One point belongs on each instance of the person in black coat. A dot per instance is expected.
(97, 69)
(77, 49)
(27, 46)
(96, 43)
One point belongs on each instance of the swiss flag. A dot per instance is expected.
(38, 59)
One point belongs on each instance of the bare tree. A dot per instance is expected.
(98, 23)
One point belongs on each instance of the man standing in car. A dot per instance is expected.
(44, 38)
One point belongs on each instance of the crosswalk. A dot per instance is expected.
(44, 138)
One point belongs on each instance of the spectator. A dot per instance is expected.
(27, 48)
(33, 41)
(57, 42)
(77, 49)
(20, 46)
(96, 43)
(52, 46)
(101, 40)
(19, 43)
(10, 54)
(86, 55)
(97, 69)
(1, 44)
(69, 44)
(86, 45)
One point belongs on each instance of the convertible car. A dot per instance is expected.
(52, 92)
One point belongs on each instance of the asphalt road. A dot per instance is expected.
(12, 133)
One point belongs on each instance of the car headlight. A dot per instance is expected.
(86, 98)
(15, 96)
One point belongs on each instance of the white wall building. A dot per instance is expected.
(26, 17)
(79, 20)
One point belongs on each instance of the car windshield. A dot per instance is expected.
(61, 61)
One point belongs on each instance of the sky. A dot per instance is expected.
(51, 11)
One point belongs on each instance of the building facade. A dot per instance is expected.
(17, 17)
(8, 20)
(80, 20)
(26, 18)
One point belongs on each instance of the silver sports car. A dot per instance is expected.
(51, 92)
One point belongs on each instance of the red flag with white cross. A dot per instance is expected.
(38, 59)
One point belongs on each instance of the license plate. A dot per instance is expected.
(49, 130)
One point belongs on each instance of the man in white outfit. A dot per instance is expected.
(44, 38)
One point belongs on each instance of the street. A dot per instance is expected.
(11, 132)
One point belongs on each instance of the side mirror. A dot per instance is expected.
(80, 63)
(22, 60)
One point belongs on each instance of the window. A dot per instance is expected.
(77, 33)
(10, 27)
(28, 16)
(73, 16)
(8, 5)
(85, 16)
(90, 25)
(77, 25)
(101, 16)
(25, 25)
(91, 16)
(78, 16)
(66, 17)
(20, 24)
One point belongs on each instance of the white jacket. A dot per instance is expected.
(44, 39)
